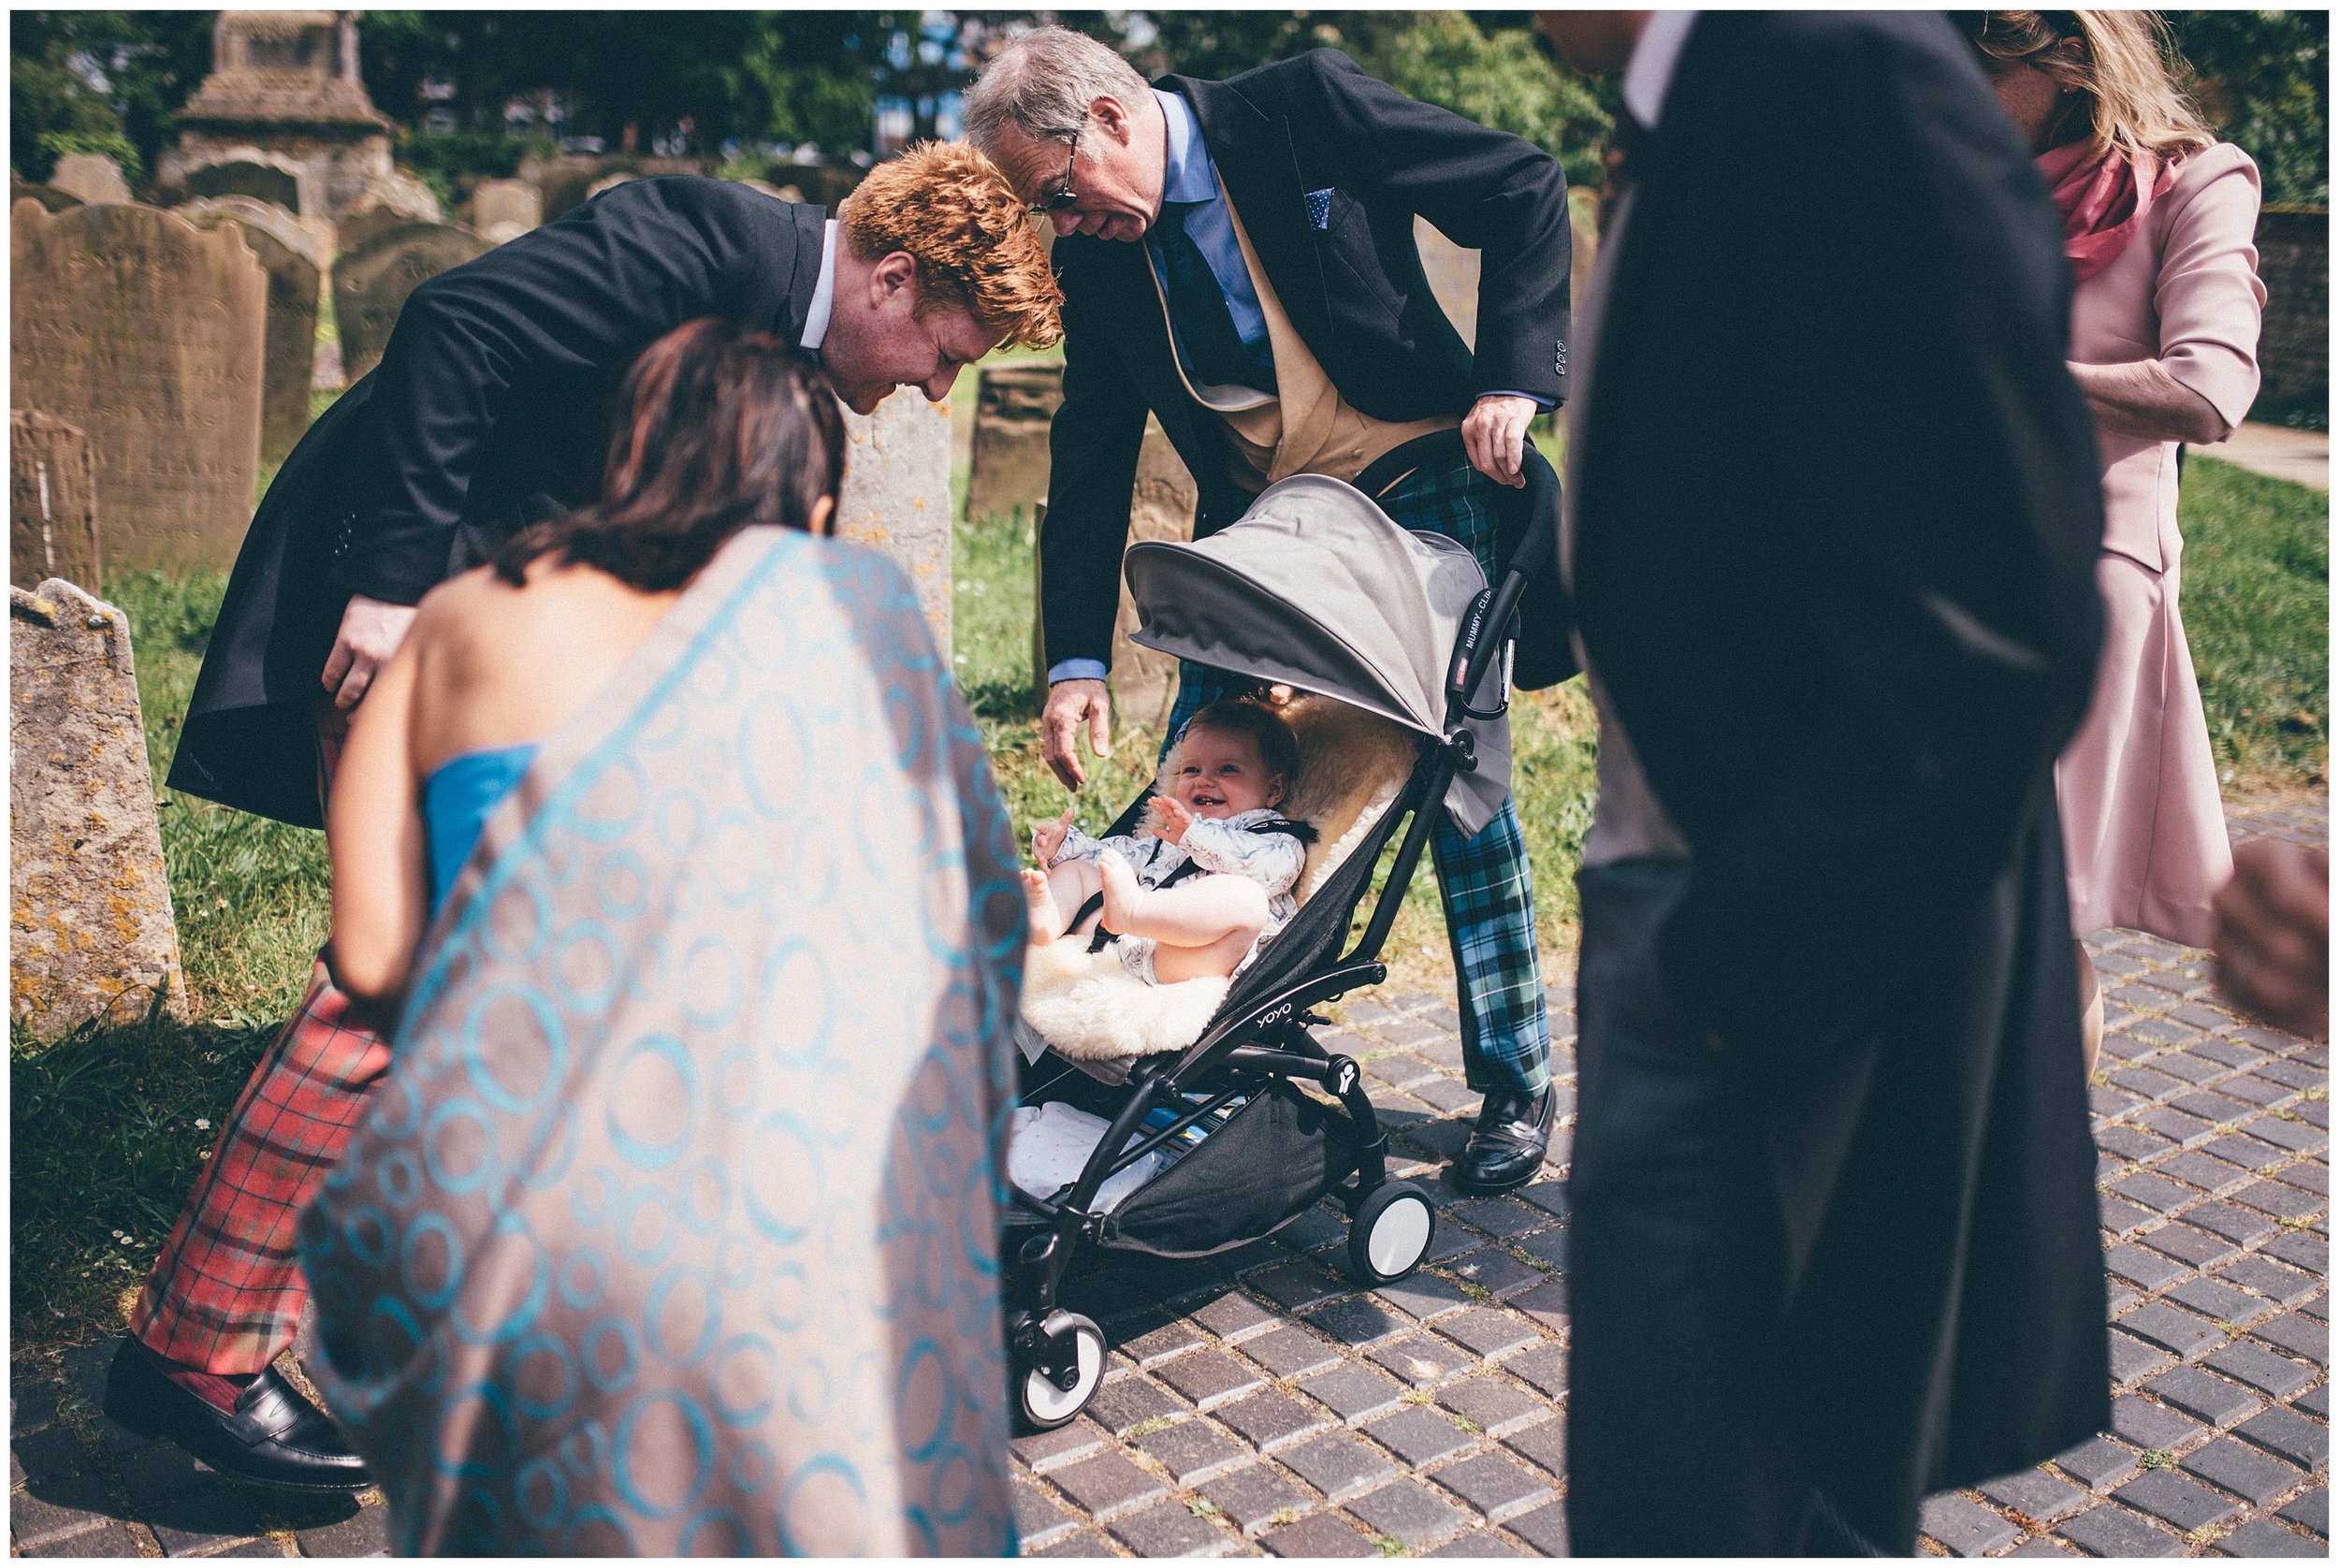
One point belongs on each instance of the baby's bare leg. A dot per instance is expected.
(1201, 926)
(1065, 888)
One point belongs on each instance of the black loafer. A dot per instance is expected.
(274, 1437)
(1505, 1148)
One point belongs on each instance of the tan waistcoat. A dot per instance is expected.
(1305, 425)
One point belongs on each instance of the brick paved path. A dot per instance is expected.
(1259, 1403)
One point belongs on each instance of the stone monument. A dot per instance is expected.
(148, 333)
(268, 177)
(52, 502)
(370, 283)
(90, 929)
(1008, 473)
(897, 494)
(288, 252)
(284, 87)
(502, 210)
(90, 176)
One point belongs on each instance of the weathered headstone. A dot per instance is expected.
(260, 176)
(288, 254)
(49, 197)
(52, 502)
(370, 283)
(1007, 475)
(91, 935)
(90, 176)
(1144, 682)
(897, 494)
(360, 230)
(502, 209)
(148, 333)
(1453, 271)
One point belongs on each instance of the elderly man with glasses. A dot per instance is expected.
(1238, 259)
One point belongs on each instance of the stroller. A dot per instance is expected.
(1317, 588)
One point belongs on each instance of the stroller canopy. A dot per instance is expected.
(1317, 588)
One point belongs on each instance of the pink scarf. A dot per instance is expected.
(2102, 202)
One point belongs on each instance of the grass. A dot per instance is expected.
(2257, 606)
(107, 1128)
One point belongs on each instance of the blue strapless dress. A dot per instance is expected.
(457, 798)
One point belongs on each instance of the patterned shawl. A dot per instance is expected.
(671, 1228)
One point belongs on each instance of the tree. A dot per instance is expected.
(2263, 79)
(105, 82)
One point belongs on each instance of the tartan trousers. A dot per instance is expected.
(226, 1293)
(1483, 880)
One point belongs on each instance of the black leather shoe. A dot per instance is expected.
(272, 1438)
(1505, 1148)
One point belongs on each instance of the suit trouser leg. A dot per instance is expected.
(225, 1294)
(1673, 1444)
(1483, 880)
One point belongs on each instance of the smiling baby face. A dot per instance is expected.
(1222, 774)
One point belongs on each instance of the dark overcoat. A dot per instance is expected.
(1838, 517)
(1353, 287)
(490, 410)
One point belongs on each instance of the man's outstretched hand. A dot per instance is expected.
(2273, 936)
(369, 638)
(1494, 433)
(1072, 705)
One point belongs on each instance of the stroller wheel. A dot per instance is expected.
(1043, 1401)
(1388, 1233)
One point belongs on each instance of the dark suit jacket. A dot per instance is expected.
(1838, 512)
(490, 409)
(1354, 290)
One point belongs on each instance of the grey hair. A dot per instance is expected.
(1042, 83)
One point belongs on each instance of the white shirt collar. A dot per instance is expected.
(1649, 75)
(823, 293)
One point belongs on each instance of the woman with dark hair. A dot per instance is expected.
(2157, 223)
(671, 853)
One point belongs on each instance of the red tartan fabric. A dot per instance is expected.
(225, 1294)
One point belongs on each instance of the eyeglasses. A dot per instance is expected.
(1063, 195)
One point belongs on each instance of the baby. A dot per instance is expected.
(1209, 879)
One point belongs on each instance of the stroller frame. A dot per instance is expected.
(1259, 1039)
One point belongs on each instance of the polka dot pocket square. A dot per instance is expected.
(1320, 208)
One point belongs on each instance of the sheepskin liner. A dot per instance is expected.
(1353, 765)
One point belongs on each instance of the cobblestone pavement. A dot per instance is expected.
(1259, 1402)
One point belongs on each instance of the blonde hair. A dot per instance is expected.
(954, 212)
(2121, 72)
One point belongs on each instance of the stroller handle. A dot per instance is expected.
(1486, 629)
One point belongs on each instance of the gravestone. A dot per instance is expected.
(288, 252)
(501, 209)
(90, 176)
(91, 935)
(1008, 473)
(360, 230)
(49, 197)
(148, 334)
(259, 176)
(370, 283)
(1144, 681)
(52, 502)
(1453, 271)
(897, 494)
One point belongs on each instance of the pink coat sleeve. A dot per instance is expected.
(2208, 295)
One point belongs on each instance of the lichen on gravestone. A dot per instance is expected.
(897, 495)
(89, 927)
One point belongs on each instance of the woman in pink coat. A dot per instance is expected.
(2157, 219)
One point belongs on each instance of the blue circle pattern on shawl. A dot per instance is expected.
(659, 1240)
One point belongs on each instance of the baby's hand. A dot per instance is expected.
(1048, 837)
(1171, 819)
